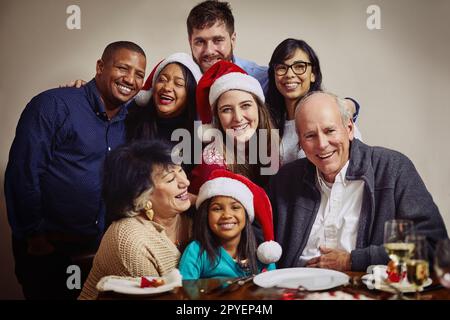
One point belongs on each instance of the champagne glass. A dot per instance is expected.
(417, 270)
(442, 262)
(395, 232)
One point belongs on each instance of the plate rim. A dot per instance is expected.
(385, 288)
(135, 290)
(257, 278)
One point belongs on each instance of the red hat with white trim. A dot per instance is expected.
(145, 94)
(222, 77)
(253, 198)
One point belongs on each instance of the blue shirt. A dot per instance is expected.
(195, 266)
(53, 177)
(258, 72)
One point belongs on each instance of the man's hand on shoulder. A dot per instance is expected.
(75, 83)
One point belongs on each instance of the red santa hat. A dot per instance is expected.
(222, 77)
(253, 198)
(144, 96)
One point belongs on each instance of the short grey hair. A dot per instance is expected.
(345, 113)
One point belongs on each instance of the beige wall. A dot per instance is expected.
(400, 74)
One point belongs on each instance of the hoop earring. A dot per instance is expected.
(148, 210)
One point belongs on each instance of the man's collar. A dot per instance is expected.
(358, 160)
(340, 177)
(97, 104)
(94, 97)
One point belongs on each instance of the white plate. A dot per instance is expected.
(312, 279)
(377, 277)
(129, 285)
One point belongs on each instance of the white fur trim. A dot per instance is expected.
(269, 252)
(182, 58)
(143, 97)
(223, 186)
(235, 81)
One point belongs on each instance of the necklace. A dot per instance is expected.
(177, 233)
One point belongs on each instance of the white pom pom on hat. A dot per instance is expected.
(253, 198)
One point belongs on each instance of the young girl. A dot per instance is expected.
(224, 244)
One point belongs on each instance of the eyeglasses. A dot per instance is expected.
(298, 68)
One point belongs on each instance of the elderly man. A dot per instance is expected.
(330, 208)
(53, 177)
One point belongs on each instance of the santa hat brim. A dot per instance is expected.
(228, 187)
(235, 81)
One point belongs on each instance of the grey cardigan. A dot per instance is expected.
(393, 190)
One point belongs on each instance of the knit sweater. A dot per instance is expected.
(132, 247)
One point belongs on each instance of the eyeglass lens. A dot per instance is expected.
(298, 68)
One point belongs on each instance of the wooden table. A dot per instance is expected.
(198, 290)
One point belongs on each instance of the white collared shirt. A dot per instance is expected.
(336, 224)
(289, 144)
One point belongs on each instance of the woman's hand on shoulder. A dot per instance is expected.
(350, 106)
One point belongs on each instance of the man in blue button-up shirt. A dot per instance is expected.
(53, 177)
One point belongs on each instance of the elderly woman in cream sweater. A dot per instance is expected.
(145, 196)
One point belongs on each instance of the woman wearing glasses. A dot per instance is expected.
(294, 70)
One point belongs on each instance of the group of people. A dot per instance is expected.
(283, 180)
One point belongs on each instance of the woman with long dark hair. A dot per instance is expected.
(166, 103)
(232, 102)
(294, 70)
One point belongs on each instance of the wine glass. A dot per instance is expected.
(417, 269)
(442, 262)
(395, 232)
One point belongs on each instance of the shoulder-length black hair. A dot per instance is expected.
(282, 52)
(208, 241)
(141, 123)
(127, 175)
